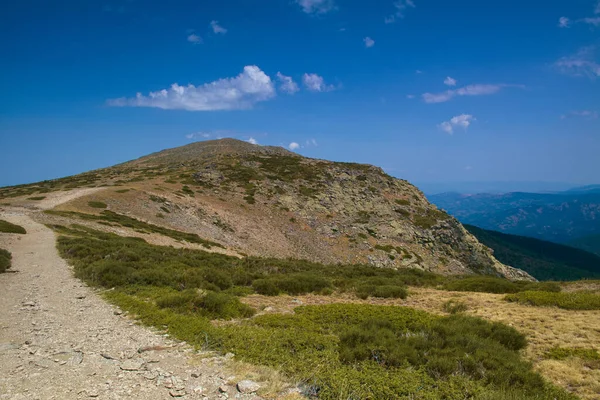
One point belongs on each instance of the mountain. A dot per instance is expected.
(267, 201)
(431, 188)
(589, 243)
(559, 217)
(544, 260)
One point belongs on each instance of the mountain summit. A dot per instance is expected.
(268, 201)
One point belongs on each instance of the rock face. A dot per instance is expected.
(271, 202)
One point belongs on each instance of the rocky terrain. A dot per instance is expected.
(267, 201)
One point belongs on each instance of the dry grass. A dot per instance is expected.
(544, 327)
(273, 383)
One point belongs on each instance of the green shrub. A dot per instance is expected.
(454, 306)
(561, 353)
(224, 306)
(568, 301)
(7, 227)
(382, 291)
(36, 198)
(97, 204)
(5, 260)
(293, 284)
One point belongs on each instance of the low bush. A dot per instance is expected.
(566, 300)
(454, 306)
(36, 198)
(293, 284)
(97, 204)
(490, 284)
(7, 227)
(5, 260)
(383, 291)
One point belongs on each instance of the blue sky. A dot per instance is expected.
(430, 90)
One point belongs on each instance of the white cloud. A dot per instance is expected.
(470, 90)
(287, 84)
(401, 6)
(581, 63)
(589, 114)
(460, 121)
(252, 141)
(369, 42)
(195, 39)
(293, 146)
(217, 28)
(450, 81)
(241, 92)
(316, 83)
(311, 142)
(316, 6)
(410, 96)
(592, 21)
(564, 22)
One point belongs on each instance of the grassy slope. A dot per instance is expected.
(347, 350)
(7, 227)
(544, 260)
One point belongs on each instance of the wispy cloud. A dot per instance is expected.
(597, 9)
(369, 42)
(592, 21)
(564, 22)
(589, 114)
(400, 8)
(316, 6)
(470, 90)
(316, 83)
(450, 81)
(241, 92)
(198, 135)
(287, 84)
(410, 96)
(460, 121)
(217, 28)
(581, 64)
(193, 38)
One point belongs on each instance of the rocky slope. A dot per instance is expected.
(267, 201)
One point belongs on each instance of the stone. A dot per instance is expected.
(176, 393)
(132, 365)
(247, 386)
(223, 389)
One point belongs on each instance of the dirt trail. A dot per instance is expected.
(60, 340)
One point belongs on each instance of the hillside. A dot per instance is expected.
(245, 199)
(557, 217)
(589, 243)
(544, 260)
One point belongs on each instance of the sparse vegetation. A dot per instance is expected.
(36, 198)
(97, 204)
(566, 300)
(5, 260)
(7, 227)
(561, 353)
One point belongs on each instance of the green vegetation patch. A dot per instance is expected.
(7, 227)
(566, 300)
(36, 198)
(454, 306)
(97, 204)
(489, 284)
(5, 260)
(139, 226)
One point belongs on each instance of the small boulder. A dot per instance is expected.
(247, 386)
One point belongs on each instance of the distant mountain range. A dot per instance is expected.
(544, 260)
(558, 217)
